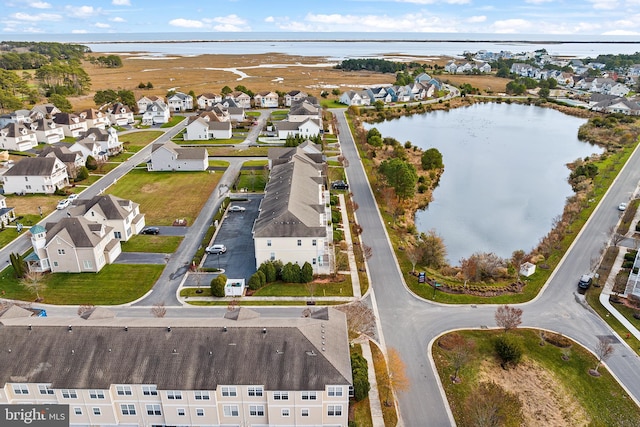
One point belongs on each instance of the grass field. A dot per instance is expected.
(280, 289)
(165, 196)
(114, 284)
(135, 141)
(601, 398)
(149, 243)
(241, 152)
(173, 121)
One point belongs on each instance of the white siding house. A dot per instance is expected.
(36, 175)
(169, 156)
(17, 137)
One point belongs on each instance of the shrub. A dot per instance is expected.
(627, 264)
(269, 270)
(83, 173)
(262, 277)
(291, 273)
(557, 340)
(509, 349)
(217, 285)
(91, 163)
(306, 273)
(630, 256)
(335, 216)
(254, 281)
(360, 372)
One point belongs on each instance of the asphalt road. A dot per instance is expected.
(410, 324)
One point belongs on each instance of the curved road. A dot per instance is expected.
(410, 324)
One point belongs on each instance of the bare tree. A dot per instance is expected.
(604, 350)
(367, 251)
(414, 254)
(311, 288)
(460, 354)
(508, 317)
(517, 258)
(33, 282)
(84, 308)
(489, 405)
(159, 310)
(360, 319)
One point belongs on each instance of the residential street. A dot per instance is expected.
(410, 324)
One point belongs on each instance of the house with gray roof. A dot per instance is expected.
(156, 113)
(179, 102)
(122, 216)
(107, 139)
(44, 111)
(240, 369)
(72, 124)
(95, 118)
(208, 100)
(17, 137)
(72, 245)
(293, 96)
(35, 175)
(202, 128)
(47, 131)
(294, 223)
(120, 114)
(71, 159)
(169, 156)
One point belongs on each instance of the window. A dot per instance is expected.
(149, 390)
(20, 389)
(69, 394)
(96, 394)
(200, 412)
(174, 395)
(123, 390)
(201, 395)
(299, 242)
(55, 263)
(77, 410)
(256, 410)
(314, 242)
(272, 257)
(255, 391)
(268, 242)
(117, 234)
(229, 391)
(304, 413)
(230, 410)
(309, 395)
(335, 391)
(154, 410)
(87, 264)
(334, 410)
(96, 411)
(60, 251)
(128, 409)
(313, 261)
(181, 412)
(45, 389)
(280, 395)
(285, 412)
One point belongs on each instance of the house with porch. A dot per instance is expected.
(88, 147)
(266, 99)
(72, 245)
(293, 96)
(7, 214)
(71, 124)
(94, 118)
(156, 113)
(107, 138)
(71, 159)
(307, 128)
(121, 115)
(202, 129)
(33, 175)
(180, 102)
(145, 101)
(208, 100)
(122, 216)
(241, 99)
(47, 131)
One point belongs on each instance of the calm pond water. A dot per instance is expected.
(505, 175)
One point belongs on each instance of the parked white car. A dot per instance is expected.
(62, 204)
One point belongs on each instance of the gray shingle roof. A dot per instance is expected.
(193, 355)
(112, 207)
(77, 231)
(32, 166)
(182, 153)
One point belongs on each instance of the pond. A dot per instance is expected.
(505, 175)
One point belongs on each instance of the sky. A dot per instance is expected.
(575, 17)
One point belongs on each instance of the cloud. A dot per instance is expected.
(621, 33)
(228, 28)
(78, 31)
(337, 22)
(20, 16)
(40, 5)
(227, 20)
(82, 11)
(121, 2)
(538, 1)
(269, 19)
(476, 19)
(118, 19)
(604, 4)
(102, 25)
(186, 23)
(434, 1)
(512, 26)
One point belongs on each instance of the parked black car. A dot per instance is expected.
(150, 230)
(585, 281)
(339, 185)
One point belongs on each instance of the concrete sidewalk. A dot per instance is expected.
(374, 395)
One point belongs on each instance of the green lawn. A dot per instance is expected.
(219, 163)
(252, 114)
(114, 284)
(136, 141)
(331, 103)
(602, 398)
(6, 236)
(252, 180)
(150, 243)
(249, 163)
(280, 289)
(234, 151)
(173, 121)
(166, 196)
(263, 303)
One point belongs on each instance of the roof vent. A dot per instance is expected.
(73, 352)
(264, 330)
(9, 350)
(168, 328)
(211, 353)
(323, 349)
(224, 329)
(30, 328)
(311, 353)
(126, 328)
(279, 352)
(175, 351)
(109, 350)
(70, 328)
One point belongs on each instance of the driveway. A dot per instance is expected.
(141, 258)
(168, 230)
(235, 233)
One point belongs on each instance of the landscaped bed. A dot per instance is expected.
(553, 383)
(319, 289)
(165, 196)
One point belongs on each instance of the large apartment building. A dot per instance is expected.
(240, 370)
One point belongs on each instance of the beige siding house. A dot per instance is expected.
(294, 223)
(122, 216)
(240, 370)
(72, 245)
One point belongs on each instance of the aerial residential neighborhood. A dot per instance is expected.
(163, 234)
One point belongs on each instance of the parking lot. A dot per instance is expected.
(235, 233)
